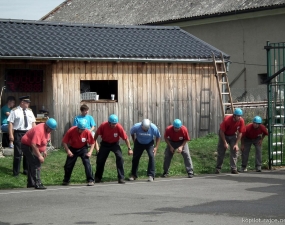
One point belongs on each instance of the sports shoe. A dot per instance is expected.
(40, 186)
(121, 181)
(218, 171)
(234, 172)
(150, 179)
(132, 178)
(91, 183)
(190, 175)
(243, 169)
(165, 175)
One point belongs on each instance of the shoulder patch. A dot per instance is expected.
(29, 109)
(14, 108)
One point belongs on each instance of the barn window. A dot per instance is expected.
(24, 80)
(103, 88)
(261, 78)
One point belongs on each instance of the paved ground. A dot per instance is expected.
(213, 199)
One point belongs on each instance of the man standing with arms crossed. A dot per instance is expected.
(142, 135)
(254, 135)
(230, 133)
(21, 119)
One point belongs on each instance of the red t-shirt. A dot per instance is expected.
(182, 134)
(230, 127)
(38, 136)
(76, 140)
(111, 135)
(253, 133)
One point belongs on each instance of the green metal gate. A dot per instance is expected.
(275, 94)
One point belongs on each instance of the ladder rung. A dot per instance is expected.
(223, 82)
(227, 103)
(279, 107)
(228, 114)
(225, 93)
(276, 153)
(277, 125)
(221, 71)
(277, 143)
(274, 162)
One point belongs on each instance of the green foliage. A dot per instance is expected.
(202, 150)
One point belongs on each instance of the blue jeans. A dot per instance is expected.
(138, 151)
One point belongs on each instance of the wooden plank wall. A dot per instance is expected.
(158, 91)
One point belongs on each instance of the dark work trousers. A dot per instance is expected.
(138, 151)
(18, 153)
(258, 153)
(70, 162)
(168, 155)
(105, 149)
(34, 166)
(231, 140)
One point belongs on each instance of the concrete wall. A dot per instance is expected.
(243, 37)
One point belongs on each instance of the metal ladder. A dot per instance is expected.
(225, 95)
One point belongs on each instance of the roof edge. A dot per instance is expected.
(218, 14)
(209, 60)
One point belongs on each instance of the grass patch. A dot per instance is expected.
(202, 150)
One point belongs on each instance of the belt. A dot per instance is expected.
(20, 131)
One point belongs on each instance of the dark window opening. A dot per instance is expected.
(24, 80)
(103, 88)
(261, 78)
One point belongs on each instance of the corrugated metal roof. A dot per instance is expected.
(38, 40)
(146, 12)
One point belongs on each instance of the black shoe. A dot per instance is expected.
(64, 183)
(121, 181)
(190, 175)
(40, 186)
(234, 172)
(25, 172)
(97, 180)
(30, 186)
(165, 175)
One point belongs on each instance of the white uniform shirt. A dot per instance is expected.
(17, 118)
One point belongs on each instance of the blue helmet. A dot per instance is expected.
(113, 119)
(177, 123)
(238, 112)
(51, 123)
(257, 119)
(82, 124)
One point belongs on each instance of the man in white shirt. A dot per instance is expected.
(21, 119)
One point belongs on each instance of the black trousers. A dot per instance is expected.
(105, 149)
(138, 151)
(34, 166)
(18, 153)
(70, 162)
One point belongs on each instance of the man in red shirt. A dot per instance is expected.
(111, 132)
(176, 136)
(230, 133)
(33, 145)
(254, 134)
(75, 143)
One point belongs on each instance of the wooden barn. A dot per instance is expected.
(155, 72)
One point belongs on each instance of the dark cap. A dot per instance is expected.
(25, 98)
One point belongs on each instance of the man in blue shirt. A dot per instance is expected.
(91, 125)
(142, 135)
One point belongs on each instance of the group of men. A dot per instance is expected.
(232, 131)
(30, 140)
(79, 137)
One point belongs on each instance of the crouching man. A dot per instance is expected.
(33, 145)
